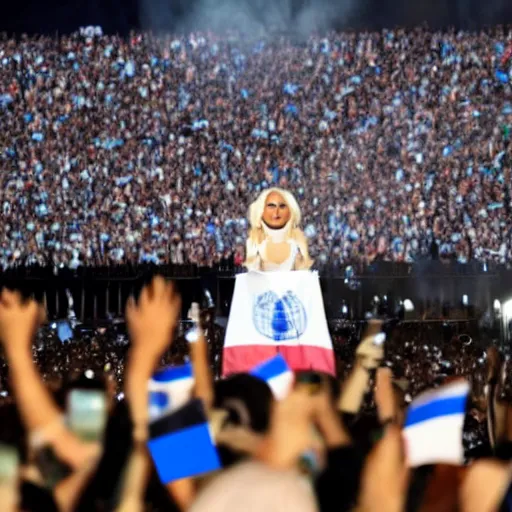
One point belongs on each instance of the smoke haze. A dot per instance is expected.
(248, 17)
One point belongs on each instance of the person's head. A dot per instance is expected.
(275, 208)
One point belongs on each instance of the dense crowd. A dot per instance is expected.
(152, 149)
(268, 454)
(422, 354)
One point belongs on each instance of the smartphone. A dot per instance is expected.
(9, 462)
(51, 468)
(87, 413)
(310, 380)
(379, 339)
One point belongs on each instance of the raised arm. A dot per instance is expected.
(368, 357)
(151, 324)
(19, 321)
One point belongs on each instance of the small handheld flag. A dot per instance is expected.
(277, 374)
(181, 444)
(170, 389)
(434, 424)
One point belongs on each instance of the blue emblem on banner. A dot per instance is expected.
(279, 318)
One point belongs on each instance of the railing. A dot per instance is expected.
(100, 291)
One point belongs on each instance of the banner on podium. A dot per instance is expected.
(278, 313)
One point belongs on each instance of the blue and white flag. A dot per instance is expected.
(434, 424)
(170, 389)
(277, 374)
(181, 444)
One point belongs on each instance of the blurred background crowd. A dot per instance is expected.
(150, 149)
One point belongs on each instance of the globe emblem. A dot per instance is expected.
(279, 318)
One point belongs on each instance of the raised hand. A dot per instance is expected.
(19, 320)
(151, 325)
(151, 321)
(368, 353)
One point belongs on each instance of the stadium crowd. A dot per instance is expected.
(150, 149)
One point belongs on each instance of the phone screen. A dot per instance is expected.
(87, 413)
(9, 461)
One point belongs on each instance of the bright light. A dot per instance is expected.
(465, 300)
(376, 299)
(89, 374)
(506, 308)
(497, 305)
(344, 309)
(408, 305)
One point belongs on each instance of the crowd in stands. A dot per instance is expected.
(151, 149)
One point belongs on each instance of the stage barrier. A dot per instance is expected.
(436, 290)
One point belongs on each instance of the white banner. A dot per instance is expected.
(284, 308)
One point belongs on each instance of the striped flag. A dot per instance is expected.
(169, 389)
(277, 374)
(278, 313)
(181, 444)
(434, 424)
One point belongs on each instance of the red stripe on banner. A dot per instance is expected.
(243, 358)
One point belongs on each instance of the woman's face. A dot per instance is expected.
(276, 213)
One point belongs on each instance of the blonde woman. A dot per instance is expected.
(275, 241)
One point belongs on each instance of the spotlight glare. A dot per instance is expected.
(408, 305)
(506, 308)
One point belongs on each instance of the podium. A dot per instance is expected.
(278, 313)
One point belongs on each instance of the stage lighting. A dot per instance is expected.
(408, 305)
(506, 308)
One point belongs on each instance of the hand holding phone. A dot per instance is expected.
(9, 461)
(87, 413)
(370, 351)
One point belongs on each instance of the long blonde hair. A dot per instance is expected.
(257, 208)
(257, 235)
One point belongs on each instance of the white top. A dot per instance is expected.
(260, 250)
(285, 266)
